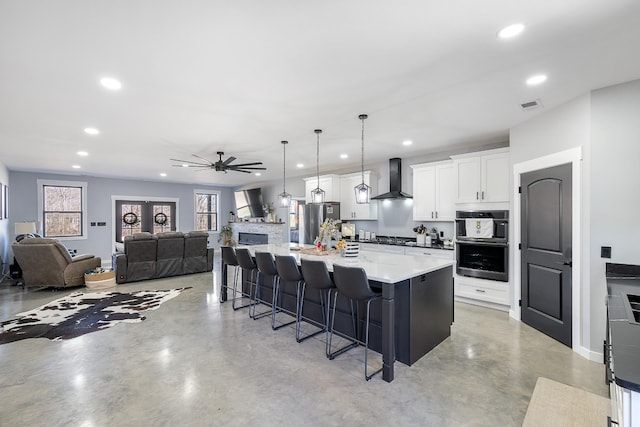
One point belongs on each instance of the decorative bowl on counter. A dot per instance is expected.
(351, 250)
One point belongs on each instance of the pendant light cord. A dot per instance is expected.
(362, 117)
(318, 132)
(284, 166)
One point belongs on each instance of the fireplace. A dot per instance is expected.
(252, 238)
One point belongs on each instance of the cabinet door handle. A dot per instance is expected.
(481, 291)
(483, 195)
(431, 214)
(436, 214)
(477, 196)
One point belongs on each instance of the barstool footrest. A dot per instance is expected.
(310, 335)
(337, 353)
(275, 328)
(368, 377)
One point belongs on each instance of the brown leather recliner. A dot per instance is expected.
(46, 262)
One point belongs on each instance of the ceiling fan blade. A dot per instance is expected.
(188, 161)
(252, 169)
(241, 165)
(202, 158)
(229, 160)
(239, 170)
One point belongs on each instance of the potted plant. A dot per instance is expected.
(226, 236)
(421, 234)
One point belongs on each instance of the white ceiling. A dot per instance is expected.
(239, 77)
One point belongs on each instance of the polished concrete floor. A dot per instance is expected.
(195, 362)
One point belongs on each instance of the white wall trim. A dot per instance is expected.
(138, 199)
(573, 156)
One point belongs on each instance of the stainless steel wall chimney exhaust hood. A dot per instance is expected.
(395, 182)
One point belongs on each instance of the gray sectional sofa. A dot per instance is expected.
(152, 256)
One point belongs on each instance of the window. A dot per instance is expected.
(207, 210)
(62, 208)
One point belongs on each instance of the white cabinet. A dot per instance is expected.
(433, 192)
(349, 209)
(387, 249)
(329, 183)
(488, 293)
(482, 177)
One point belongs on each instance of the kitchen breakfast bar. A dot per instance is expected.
(415, 312)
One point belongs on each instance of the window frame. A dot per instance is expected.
(84, 216)
(216, 193)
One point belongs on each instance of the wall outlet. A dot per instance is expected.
(605, 251)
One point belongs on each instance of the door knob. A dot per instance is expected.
(569, 263)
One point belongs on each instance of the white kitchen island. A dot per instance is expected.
(416, 310)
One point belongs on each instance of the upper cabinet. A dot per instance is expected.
(329, 183)
(433, 192)
(349, 209)
(482, 177)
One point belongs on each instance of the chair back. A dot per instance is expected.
(229, 255)
(244, 259)
(265, 264)
(287, 267)
(352, 282)
(316, 274)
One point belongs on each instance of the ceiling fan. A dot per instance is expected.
(220, 165)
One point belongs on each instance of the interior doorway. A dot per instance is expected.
(580, 296)
(545, 250)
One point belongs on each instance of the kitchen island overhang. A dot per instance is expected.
(416, 309)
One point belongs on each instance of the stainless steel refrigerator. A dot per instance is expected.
(312, 216)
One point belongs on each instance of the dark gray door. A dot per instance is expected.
(546, 251)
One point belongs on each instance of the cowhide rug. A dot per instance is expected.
(80, 313)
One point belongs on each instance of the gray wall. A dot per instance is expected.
(605, 124)
(24, 205)
(5, 236)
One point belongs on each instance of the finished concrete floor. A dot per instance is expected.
(195, 362)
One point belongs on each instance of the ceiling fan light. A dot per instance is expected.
(363, 193)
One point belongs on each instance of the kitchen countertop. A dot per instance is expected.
(381, 267)
(404, 241)
(624, 337)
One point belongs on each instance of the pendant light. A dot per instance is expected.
(363, 191)
(284, 198)
(317, 194)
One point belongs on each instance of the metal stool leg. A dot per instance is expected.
(366, 344)
(258, 295)
(277, 293)
(353, 344)
(299, 306)
(235, 290)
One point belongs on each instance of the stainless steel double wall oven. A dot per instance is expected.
(483, 257)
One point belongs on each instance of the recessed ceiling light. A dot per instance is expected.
(76, 166)
(344, 156)
(163, 174)
(91, 131)
(111, 83)
(407, 142)
(257, 174)
(536, 80)
(82, 153)
(300, 165)
(510, 31)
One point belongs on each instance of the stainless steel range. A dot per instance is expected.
(482, 244)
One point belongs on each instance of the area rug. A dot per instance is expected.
(80, 313)
(556, 404)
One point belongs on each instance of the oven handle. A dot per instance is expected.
(480, 243)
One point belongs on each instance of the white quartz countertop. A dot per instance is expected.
(381, 267)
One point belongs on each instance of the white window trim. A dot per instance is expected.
(195, 209)
(85, 215)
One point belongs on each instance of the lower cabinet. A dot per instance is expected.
(488, 293)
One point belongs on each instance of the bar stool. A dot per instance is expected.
(316, 275)
(245, 261)
(352, 283)
(288, 271)
(230, 259)
(266, 267)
